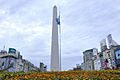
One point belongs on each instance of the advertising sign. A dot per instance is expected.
(117, 54)
(99, 64)
(109, 37)
(12, 50)
(95, 51)
(103, 42)
(103, 45)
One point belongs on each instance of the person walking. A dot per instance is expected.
(106, 61)
(114, 64)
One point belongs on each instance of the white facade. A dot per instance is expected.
(107, 55)
(97, 64)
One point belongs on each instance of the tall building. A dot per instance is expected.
(88, 59)
(55, 62)
(111, 54)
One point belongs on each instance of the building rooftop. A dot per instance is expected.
(89, 50)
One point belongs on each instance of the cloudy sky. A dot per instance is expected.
(27, 25)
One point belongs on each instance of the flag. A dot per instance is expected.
(58, 20)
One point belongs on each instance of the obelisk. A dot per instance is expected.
(55, 64)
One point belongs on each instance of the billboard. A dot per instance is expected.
(109, 37)
(111, 42)
(95, 51)
(117, 57)
(12, 50)
(99, 65)
(103, 45)
(117, 54)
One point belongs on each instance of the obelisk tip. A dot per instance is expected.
(55, 6)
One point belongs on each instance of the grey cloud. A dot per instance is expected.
(70, 62)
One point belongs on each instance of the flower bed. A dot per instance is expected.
(63, 75)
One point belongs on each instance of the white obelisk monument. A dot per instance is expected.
(55, 62)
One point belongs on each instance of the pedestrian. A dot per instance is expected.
(114, 64)
(106, 61)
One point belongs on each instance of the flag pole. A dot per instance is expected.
(60, 48)
(60, 41)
